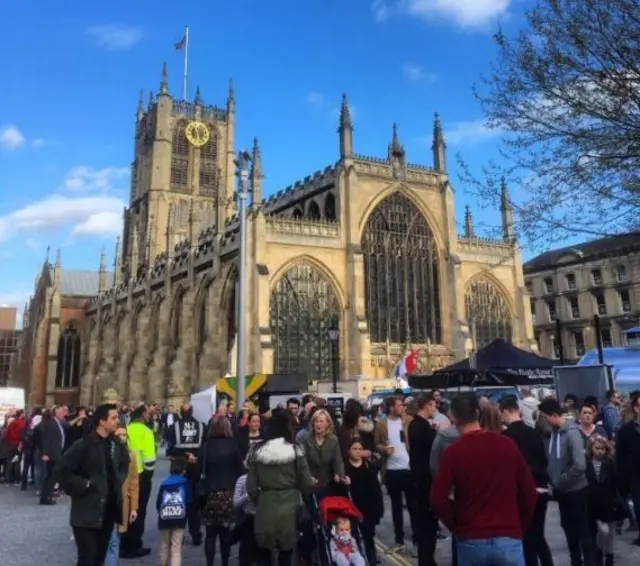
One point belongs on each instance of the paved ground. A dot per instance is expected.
(30, 535)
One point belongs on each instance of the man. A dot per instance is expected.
(611, 414)
(421, 435)
(54, 438)
(142, 444)
(628, 457)
(185, 442)
(567, 474)
(92, 472)
(531, 446)
(391, 441)
(495, 495)
(528, 407)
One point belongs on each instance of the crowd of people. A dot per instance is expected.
(484, 471)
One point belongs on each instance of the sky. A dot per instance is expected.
(71, 86)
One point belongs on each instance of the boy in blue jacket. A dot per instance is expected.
(174, 496)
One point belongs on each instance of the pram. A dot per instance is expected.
(330, 509)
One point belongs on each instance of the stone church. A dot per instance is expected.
(365, 247)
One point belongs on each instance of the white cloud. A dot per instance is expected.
(85, 179)
(470, 132)
(115, 37)
(11, 138)
(464, 13)
(100, 224)
(415, 73)
(316, 99)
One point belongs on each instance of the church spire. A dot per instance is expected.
(468, 223)
(345, 129)
(164, 83)
(102, 272)
(198, 98)
(231, 97)
(396, 155)
(256, 175)
(140, 112)
(439, 147)
(57, 270)
(150, 100)
(506, 209)
(117, 265)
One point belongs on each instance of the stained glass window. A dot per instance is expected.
(180, 158)
(68, 369)
(487, 313)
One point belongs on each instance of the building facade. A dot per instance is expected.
(366, 246)
(572, 285)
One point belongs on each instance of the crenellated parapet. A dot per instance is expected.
(302, 227)
(187, 109)
(484, 247)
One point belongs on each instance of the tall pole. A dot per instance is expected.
(242, 164)
(185, 67)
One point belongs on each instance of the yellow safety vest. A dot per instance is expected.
(142, 443)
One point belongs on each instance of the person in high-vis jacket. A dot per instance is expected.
(184, 441)
(142, 444)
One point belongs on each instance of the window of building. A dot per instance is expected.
(555, 347)
(571, 281)
(529, 287)
(578, 341)
(620, 273)
(605, 336)
(548, 285)
(601, 303)
(625, 301)
(551, 307)
(532, 303)
(574, 307)
(596, 276)
(68, 368)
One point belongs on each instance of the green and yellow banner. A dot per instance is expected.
(229, 385)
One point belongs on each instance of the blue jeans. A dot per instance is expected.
(500, 551)
(113, 550)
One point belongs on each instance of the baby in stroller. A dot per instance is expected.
(343, 546)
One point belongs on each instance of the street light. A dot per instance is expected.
(334, 336)
(242, 164)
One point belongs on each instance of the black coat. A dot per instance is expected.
(628, 455)
(421, 437)
(366, 491)
(53, 441)
(82, 473)
(531, 444)
(605, 503)
(221, 462)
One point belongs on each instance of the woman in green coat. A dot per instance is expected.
(278, 478)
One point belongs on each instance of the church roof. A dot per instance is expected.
(610, 246)
(81, 282)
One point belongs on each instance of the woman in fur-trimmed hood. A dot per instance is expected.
(278, 477)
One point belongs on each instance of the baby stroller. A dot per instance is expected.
(330, 509)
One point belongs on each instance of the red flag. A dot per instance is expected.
(181, 44)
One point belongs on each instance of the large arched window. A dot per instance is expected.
(209, 165)
(330, 207)
(180, 158)
(303, 308)
(68, 369)
(401, 274)
(314, 211)
(487, 313)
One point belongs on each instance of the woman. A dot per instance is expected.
(130, 498)
(490, 419)
(278, 476)
(588, 426)
(220, 463)
(356, 426)
(250, 434)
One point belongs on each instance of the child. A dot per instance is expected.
(173, 498)
(366, 494)
(244, 532)
(605, 506)
(344, 549)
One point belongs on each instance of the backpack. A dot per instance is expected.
(173, 503)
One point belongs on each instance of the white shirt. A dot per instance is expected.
(399, 460)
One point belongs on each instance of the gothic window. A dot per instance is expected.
(297, 214)
(314, 211)
(487, 313)
(401, 274)
(180, 158)
(209, 165)
(68, 369)
(330, 207)
(303, 308)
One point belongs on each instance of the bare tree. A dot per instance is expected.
(565, 93)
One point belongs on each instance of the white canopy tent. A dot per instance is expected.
(204, 404)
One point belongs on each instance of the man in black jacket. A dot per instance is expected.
(54, 438)
(421, 437)
(531, 445)
(628, 457)
(92, 472)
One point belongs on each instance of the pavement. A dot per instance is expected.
(32, 535)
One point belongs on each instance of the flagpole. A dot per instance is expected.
(186, 63)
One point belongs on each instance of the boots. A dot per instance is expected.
(608, 560)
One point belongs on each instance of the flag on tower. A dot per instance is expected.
(180, 45)
(407, 365)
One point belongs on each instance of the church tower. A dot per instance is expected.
(183, 163)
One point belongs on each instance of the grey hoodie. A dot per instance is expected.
(445, 438)
(567, 459)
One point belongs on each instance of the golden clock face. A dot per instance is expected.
(197, 133)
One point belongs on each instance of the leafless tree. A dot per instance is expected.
(565, 94)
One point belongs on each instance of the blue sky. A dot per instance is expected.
(72, 72)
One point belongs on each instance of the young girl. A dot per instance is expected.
(604, 499)
(367, 495)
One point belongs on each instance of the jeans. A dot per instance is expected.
(499, 551)
(399, 482)
(574, 519)
(113, 550)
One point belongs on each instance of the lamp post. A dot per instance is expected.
(334, 336)
(242, 165)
